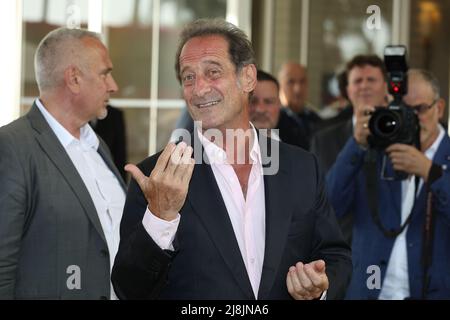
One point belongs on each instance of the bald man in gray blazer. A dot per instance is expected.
(61, 196)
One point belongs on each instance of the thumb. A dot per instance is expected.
(319, 266)
(137, 175)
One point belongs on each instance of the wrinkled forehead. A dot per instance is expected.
(419, 91)
(204, 48)
(366, 70)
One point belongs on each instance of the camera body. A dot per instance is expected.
(396, 123)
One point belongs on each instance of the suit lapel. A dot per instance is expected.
(57, 154)
(278, 217)
(208, 204)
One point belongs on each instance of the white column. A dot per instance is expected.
(268, 32)
(10, 62)
(154, 78)
(304, 33)
(239, 13)
(95, 15)
(400, 22)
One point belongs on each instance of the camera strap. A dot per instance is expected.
(370, 171)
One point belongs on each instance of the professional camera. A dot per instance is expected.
(396, 123)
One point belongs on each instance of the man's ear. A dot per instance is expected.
(72, 79)
(440, 105)
(248, 78)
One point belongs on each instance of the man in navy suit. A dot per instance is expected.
(401, 250)
(219, 228)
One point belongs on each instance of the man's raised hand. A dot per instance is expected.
(167, 186)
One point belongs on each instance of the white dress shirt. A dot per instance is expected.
(396, 282)
(103, 186)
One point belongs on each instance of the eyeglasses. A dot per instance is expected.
(422, 108)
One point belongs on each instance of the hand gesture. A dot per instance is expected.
(361, 129)
(408, 159)
(307, 281)
(167, 186)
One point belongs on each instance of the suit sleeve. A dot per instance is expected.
(343, 175)
(141, 266)
(329, 244)
(441, 194)
(13, 213)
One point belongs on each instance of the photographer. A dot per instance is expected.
(401, 248)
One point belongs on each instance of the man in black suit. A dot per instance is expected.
(366, 86)
(293, 94)
(266, 112)
(219, 228)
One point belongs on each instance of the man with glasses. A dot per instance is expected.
(366, 86)
(403, 250)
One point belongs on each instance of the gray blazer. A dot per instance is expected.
(52, 244)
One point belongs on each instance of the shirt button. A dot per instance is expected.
(165, 234)
(252, 260)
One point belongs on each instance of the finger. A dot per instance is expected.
(289, 284)
(164, 157)
(175, 158)
(316, 277)
(304, 280)
(397, 147)
(137, 175)
(183, 163)
(188, 169)
(319, 266)
(296, 289)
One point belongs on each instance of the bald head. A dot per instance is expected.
(57, 51)
(293, 86)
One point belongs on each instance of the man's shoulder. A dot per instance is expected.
(294, 154)
(16, 131)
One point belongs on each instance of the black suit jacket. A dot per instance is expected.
(326, 145)
(328, 142)
(207, 264)
(292, 130)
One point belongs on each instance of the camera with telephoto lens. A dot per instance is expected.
(396, 123)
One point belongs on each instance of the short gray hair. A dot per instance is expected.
(59, 49)
(240, 48)
(429, 78)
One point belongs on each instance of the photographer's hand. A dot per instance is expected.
(408, 159)
(361, 129)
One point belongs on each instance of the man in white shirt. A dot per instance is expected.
(401, 250)
(61, 197)
(224, 230)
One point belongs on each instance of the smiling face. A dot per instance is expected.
(215, 93)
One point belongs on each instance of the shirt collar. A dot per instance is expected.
(88, 138)
(216, 155)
